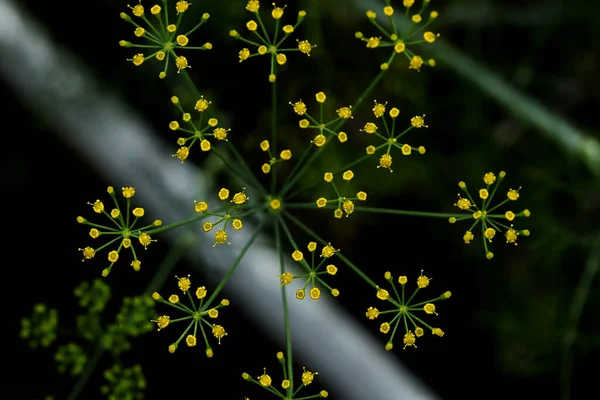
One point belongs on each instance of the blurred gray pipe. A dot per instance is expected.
(119, 144)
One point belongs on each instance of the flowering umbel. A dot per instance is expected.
(225, 216)
(405, 311)
(289, 392)
(270, 44)
(402, 40)
(196, 128)
(198, 315)
(345, 204)
(322, 126)
(313, 271)
(390, 138)
(121, 229)
(491, 223)
(164, 39)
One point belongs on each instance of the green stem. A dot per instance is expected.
(174, 225)
(302, 170)
(234, 265)
(376, 210)
(274, 132)
(286, 315)
(390, 211)
(575, 311)
(244, 165)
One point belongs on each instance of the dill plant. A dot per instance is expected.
(270, 34)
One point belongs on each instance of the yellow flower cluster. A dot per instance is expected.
(491, 223)
(312, 274)
(390, 137)
(197, 131)
(224, 216)
(324, 128)
(122, 229)
(270, 44)
(404, 311)
(196, 314)
(343, 203)
(401, 40)
(162, 37)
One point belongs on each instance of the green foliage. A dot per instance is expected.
(124, 383)
(70, 357)
(40, 328)
(94, 296)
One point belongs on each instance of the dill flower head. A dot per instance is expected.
(405, 310)
(486, 217)
(122, 232)
(270, 44)
(199, 315)
(163, 40)
(402, 40)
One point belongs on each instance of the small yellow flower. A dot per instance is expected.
(422, 281)
(182, 40)
(385, 162)
(136, 264)
(200, 206)
(223, 194)
(308, 377)
(219, 332)
(181, 63)
(305, 47)
(265, 379)
(382, 294)
(418, 121)
(297, 255)
(299, 107)
(253, 6)
(513, 194)
(372, 313)
(251, 25)
(181, 6)
(379, 109)
(328, 251)
(489, 178)
(190, 340)
(162, 321)
(468, 236)
(345, 112)
(409, 339)
(315, 293)
(429, 308)
(430, 37)
(201, 292)
(184, 283)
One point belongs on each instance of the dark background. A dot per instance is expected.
(505, 324)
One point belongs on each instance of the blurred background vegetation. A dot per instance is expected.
(510, 321)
